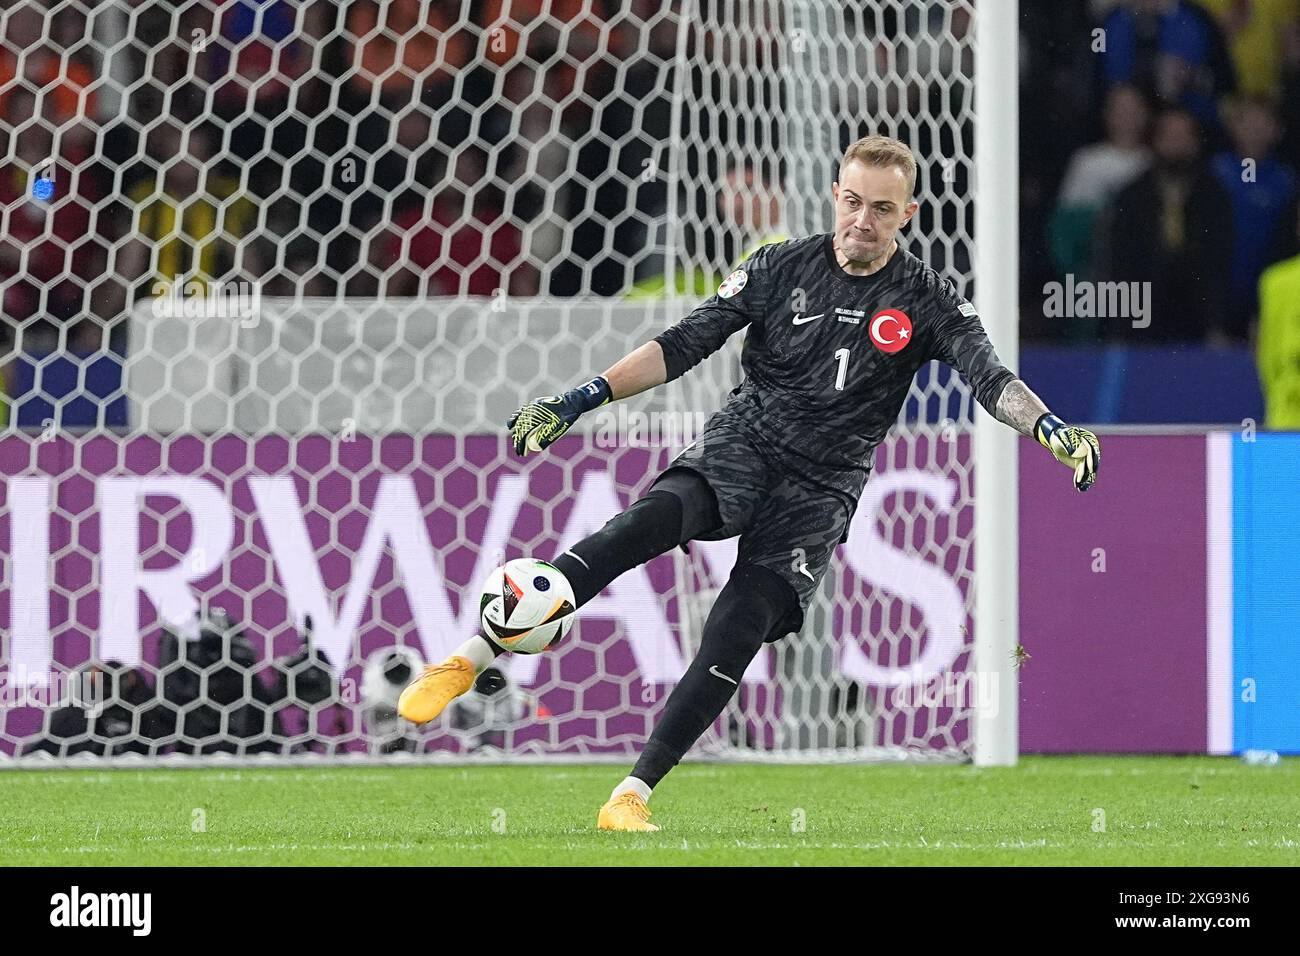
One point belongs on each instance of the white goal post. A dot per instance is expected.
(286, 278)
(997, 448)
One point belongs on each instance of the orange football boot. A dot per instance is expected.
(626, 811)
(430, 693)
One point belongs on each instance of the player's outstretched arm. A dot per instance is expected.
(1076, 447)
(544, 420)
(675, 351)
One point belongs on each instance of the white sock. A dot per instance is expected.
(478, 651)
(636, 785)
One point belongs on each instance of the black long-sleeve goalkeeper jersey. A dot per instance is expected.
(829, 356)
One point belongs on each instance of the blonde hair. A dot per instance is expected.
(883, 151)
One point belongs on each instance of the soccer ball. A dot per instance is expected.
(527, 606)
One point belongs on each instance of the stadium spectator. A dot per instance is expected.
(515, 30)
(51, 254)
(1263, 192)
(1278, 344)
(1257, 33)
(750, 215)
(535, 155)
(62, 77)
(404, 47)
(1288, 93)
(258, 65)
(401, 57)
(188, 218)
(55, 366)
(1172, 228)
(1173, 50)
(751, 209)
(263, 54)
(463, 245)
(396, 60)
(573, 54)
(1057, 65)
(1095, 175)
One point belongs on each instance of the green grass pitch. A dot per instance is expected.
(1049, 810)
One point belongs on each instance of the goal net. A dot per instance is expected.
(274, 276)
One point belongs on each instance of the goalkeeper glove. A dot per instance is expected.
(1073, 446)
(543, 420)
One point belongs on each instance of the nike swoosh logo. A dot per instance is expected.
(804, 320)
(717, 673)
(803, 569)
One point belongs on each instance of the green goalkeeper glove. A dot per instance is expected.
(1073, 446)
(544, 420)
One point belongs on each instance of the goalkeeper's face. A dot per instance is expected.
(871, 205)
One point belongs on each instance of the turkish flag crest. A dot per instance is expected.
(890, 330)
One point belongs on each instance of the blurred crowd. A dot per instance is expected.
(1161, 140)
(310, 146)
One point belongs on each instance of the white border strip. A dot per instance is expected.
(1219, 687)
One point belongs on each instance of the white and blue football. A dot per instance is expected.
(527, 606)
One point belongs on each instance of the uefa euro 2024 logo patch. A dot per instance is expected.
(733, 284)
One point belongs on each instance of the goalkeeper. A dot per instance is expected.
(838, 325)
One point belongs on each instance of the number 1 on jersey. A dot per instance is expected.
(843, 356)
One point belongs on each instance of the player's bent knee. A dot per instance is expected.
(699, 502)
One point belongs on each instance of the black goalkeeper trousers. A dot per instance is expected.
(748, 612)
